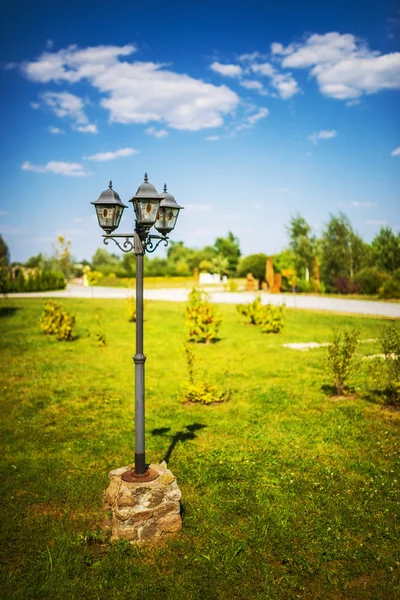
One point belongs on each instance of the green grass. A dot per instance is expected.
(287, 492)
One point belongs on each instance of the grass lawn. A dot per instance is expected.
(287, 491)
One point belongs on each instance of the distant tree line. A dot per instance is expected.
(336, 261)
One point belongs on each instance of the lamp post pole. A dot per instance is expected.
(151, 208)
(139, 360)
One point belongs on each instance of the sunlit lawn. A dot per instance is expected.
(288, 492)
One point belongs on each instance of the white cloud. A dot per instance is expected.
(227, 70)
(137, 92)
(357, 204)
(102, 156)
(396, 152)
(35, 105)
(284, 83)
(283, 190)
(65, 104)
(322, 135)
(251, 56)
(253, 119)
(260, 114)
(372, 222)
(251, 85)
(58, 168)
(343, 66)
(158, 133)
(56, 131)
(3, 213)
(90, 128)
(213, 138)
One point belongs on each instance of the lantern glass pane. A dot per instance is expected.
(118, 214)
(105, 215)
(146, 211)
(166, 219)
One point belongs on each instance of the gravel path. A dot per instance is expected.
(361, 307)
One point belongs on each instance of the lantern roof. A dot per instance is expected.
(110, 197)
(145, 191)
(168, 199)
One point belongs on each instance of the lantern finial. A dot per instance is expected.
(165, 187)
(110, 185)
(146, 178)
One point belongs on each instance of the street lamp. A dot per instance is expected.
(151, 208)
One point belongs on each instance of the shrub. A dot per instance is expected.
(389, 367)
(369, 280)
(390, 289)
(57, 321)
(344, 285)
(100, 334)
(341, 349)
(251, 311)
(305, 286)
(202, 392)
(201, 317)
(272, 319)
(269, 318)
(131, 308)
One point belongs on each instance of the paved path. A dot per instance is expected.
(361, 307)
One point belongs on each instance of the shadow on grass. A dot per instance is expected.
(6, 311)
(386, 399)
(331, 391)
(180, 436)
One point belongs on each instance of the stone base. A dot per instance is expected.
(144, 511)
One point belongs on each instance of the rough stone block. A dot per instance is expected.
(142, 511)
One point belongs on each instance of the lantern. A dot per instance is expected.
(109, 209)
(146, 203)
(167, 213)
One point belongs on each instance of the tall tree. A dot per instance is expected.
(229, 248)
(4, 253)
(303, 245)
(254, 264)
(5, 271)
(342, 250)
(386, 250)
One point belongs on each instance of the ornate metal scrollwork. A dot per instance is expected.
(129, 241)
(127, 245)
(150, 247)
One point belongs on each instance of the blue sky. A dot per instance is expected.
(250, 111)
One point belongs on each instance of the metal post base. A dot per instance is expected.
(132, 477)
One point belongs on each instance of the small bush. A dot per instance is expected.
(131, 308)
(305, 286)
(57, 321)
(388, 374)
(269, 318)
(344, 285)
(201, 317)
(100, 333)
(341, 349)
(390, 289)
(272, 319)
(201, 392)
(369, 280)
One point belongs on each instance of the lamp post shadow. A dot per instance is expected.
(180, 436)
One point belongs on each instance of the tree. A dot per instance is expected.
(386, 250)
(220, 265)
(105, 262)
(303, 245)
(4, 266)
(229, 248)
(4, 254)
(342, 251)
(254, 264)
(62, 256)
